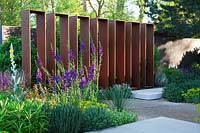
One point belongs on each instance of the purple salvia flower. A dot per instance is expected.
(39, 62)
(58, 58)
(71, 55)
(55, 78)
(82, 47)
(38, 76)
(91, 70)
(83, 83)
(81, 71)
(73, 74)
(100, 51)
(93, 48)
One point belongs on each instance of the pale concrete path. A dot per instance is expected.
(162, 108)
(156, 125)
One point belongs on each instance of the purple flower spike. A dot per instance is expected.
(82, 47)
(38, 76)
(71, 55)
(81, 72)
(39, 62)
(55, 79)
(73, 74)
(58, 58)
(83, 83)
(93, 48)
(100, 51)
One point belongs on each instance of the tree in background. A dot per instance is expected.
(178, 19)
(141, 5)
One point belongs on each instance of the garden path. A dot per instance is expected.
(162, 108)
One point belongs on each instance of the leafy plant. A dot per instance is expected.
(197, 119)
(156, 59)
(192, 95)
(86, 104)
(173, 92)
(27, 116)
(124, 117)
(118, 95)
(18, 94)
(64, 119)
(96, 118)
(104, 118)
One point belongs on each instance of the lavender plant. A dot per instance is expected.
(18, 93)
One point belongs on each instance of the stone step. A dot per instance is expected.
(156, 125)
(148, 94)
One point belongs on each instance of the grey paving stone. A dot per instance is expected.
(156, 125)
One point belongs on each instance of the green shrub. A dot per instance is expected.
(192, 95)
(174, 75)
(173, 92)
(124, 117)
(5, 55)
(86, 104)
(197, 118)
(25, 117)
(117, 95)
(97, 118)
(156, 59)
(64, 119)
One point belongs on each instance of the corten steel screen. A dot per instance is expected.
(127, 46)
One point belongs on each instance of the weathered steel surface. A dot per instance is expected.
(127, 47)
(120, 51)
(41, 39)
(129, 52)
(112, 52)
(94, 36)
(26, 46)
(143, 55)
(85, 39)
(74, 37)
(150, 57)
(136, 55)
(51, 42)
(104, 43)
(64, 38)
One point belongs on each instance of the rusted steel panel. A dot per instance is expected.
(150, 57)
(129, 52)
(51, 42)
(73, 37)
(143, 55)
(120, 51)
(136, 55)
(26, 46)
(112, 52)
(64, 39)
(104, 43)
(41, 39)
(85, 39)
(94, 35)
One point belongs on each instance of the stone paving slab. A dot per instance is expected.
(148, 94)
(156, 125)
